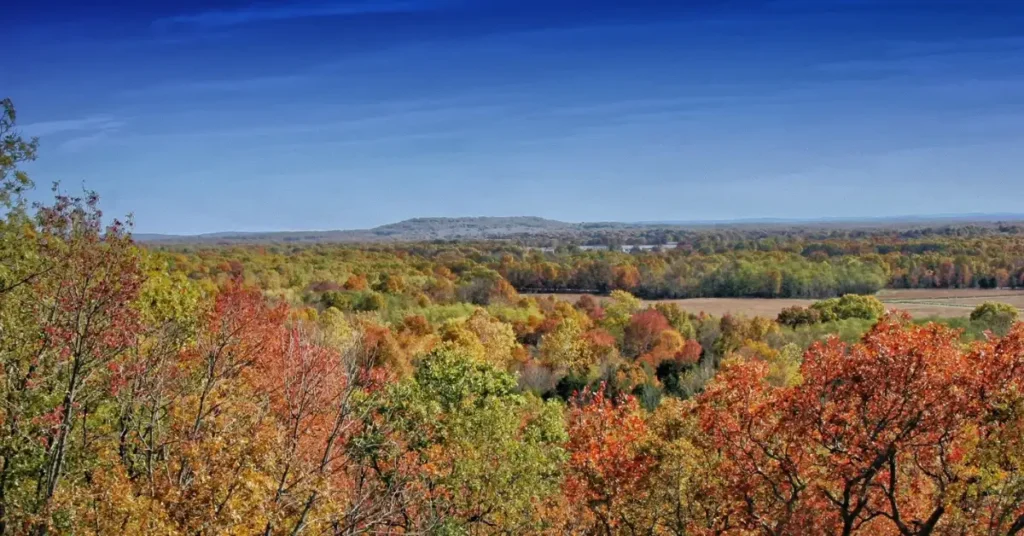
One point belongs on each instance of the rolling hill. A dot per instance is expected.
(416, 229)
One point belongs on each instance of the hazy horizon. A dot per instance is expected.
(975, 217)
(202, 117)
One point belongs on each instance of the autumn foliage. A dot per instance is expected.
(410, 389)
(887, 436)
(609, 466)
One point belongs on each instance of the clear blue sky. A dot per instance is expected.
(231, 115)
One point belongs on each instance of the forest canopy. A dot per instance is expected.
(418, 389)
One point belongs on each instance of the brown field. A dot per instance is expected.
(930, 294)
(948, 303)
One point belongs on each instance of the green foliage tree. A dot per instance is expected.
(998, 317)
(482, 455)
(19, 258)
(565, 348)
(618, 312)
(850, 306)
(677, 318)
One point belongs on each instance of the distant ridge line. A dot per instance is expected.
(496, 227)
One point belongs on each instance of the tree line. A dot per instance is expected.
(768, 269)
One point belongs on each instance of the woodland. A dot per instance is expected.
(419, 388)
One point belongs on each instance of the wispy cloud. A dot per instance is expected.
(413, 121)
(1002, 44)
(219, 86)
(49, 128)
(79, 133)
(922, 57)
(644, 106)
(83, 142)
(299, 10)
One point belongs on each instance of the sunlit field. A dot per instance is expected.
(920, 303)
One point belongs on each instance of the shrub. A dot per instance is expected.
(995, 317)
(798, 316)
(850, 306)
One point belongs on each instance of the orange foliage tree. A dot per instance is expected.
(609, 466)
(892, 435)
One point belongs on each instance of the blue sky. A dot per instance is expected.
(212, 116)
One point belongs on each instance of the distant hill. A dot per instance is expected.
(487, 228)
(482, 227)
(416, 229)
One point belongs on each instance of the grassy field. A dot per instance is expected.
(947, 303)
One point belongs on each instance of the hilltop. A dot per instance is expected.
(416, 229)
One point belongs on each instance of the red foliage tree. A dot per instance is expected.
(691, 352)
(641, 334)
(310, 390)
(86, 316)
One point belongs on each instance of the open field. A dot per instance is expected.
(948, 303)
